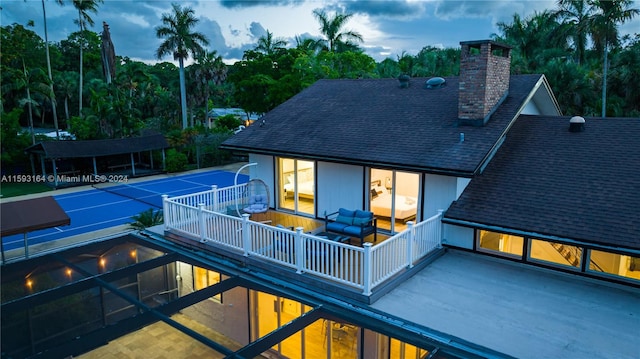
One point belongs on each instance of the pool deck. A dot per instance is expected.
(520, 310)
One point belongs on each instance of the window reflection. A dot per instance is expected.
(501, 242)
(557, 253)
(203, 278)
(614, 264)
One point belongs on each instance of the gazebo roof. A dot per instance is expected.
(95, 148)
(31, 215)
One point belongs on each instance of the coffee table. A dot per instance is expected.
(334, 237)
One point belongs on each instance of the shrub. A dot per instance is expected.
(176, 161)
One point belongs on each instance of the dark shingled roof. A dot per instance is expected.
(95, 148)
(30, 215)
(375, 122)
(544, 179)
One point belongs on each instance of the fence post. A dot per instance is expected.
(202, 222)
(299, 250)
(165, 211)
(368, 269)
(410, 240)
(246, 238)
(441, 228)
(214, 200)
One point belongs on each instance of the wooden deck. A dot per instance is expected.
(309, 224)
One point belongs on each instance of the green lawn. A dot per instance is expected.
(18, 189)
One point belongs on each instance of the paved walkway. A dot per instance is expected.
(162, 341)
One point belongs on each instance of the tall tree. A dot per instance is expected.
(604, 30)
(84, 7)
(578, 14)
(209, 68)
(180, 41)
(332, 28)
(270, 45)
(46, 40)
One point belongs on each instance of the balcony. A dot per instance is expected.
(208, 221)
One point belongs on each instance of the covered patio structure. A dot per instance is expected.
(28, 216)
(78, 162)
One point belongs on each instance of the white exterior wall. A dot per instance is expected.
(458, 236)
(531, 109)
(264, 171)
(461, 185)
(439, 192)
(338, 185)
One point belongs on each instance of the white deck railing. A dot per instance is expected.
(203, 217)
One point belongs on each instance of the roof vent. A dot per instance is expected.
(404, 81)
(576, 124)
(435, 82)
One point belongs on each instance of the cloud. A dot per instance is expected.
(385, 8)
(211, 29)
(256, 30)
(238, 4)
(495, 9)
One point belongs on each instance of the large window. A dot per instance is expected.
(556, 253)
(394, 198)
(297, 185)
(500, 242)
(203, 278)
(596, 262)
(614, 264)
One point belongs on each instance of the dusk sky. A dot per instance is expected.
(388, 27)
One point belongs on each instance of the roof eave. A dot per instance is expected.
(538, 235)
(351, 161)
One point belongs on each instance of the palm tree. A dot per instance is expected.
(578, 14)
(35, 81)
(269, 45)
(84, 7)
(66, 82)
(331, 28)
(604, 32)
(148, 218)
(209, 68)
(46, 39)
(180, 41)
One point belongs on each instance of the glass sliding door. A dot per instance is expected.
(297, 184)
(394, 198)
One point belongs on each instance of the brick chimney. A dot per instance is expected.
(484, 80)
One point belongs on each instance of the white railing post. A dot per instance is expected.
(246, 238)
(202, 222)
(440, 233)
(214, 200)
(299, 250)
(165, 211)
(368, 269)
(410, 240)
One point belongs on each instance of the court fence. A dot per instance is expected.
(212, 217)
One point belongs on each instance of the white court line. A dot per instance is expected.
(71, 230)
(198, 183)
(101, 205)
(56, 228)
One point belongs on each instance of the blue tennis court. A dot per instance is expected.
(95, 209)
